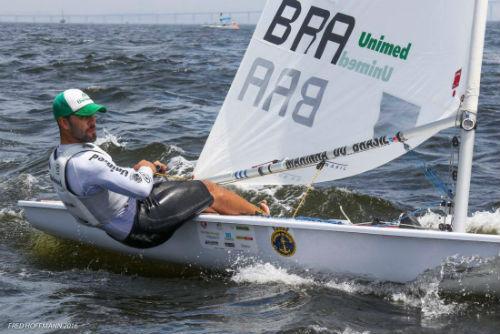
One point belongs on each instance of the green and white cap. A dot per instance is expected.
(74, 102)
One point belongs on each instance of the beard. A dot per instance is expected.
(84, 136)
(89, 138)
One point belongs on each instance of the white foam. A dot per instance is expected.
(178, 149)
(345, 190)
(94, 89)
(9, 159)
(180, 166)
(269, 191)
(430, 303)
(280, 207)
(479, 222)
(348, 287)
(349, 330)
(11, 213)
(110, 138)
(432, 220)
(422, 294)
(484, 222)
(180, 161)
(28, 181)
(265, 273)
(24, 184)
(318, 328)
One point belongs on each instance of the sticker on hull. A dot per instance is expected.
(227, 236)
(283, 242)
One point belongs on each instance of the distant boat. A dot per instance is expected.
(225, 22)
(62, 20)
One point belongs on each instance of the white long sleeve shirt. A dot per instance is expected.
(108, 191)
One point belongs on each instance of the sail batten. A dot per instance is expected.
(320, 74)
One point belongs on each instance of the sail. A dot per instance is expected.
(225, 19)
(320, 74)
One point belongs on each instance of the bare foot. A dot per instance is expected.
(264, 208)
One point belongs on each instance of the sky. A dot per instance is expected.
(125, 6)
(90, 7)
(96, 7)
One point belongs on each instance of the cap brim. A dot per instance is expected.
(90, 109)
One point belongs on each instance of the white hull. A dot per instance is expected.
(220, 26)
(212, 241)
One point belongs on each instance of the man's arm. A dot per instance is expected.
(94, 169)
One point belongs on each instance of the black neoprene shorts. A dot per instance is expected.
(170, 204)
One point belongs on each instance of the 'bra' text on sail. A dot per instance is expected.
(305, 109)
(281, 22)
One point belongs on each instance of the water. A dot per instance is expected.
(164, 86)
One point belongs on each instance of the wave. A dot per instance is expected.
(22, 186)
(481, 222)
(425, 294)
(109, 139)
(265, 273)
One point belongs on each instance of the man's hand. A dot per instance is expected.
(160, 167)
(145, 163)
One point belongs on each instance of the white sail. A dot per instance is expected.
(320, 74)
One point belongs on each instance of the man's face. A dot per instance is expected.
(82, 128)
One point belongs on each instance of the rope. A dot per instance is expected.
(319, 168)
(345, 215)
(432, 176)
(438, 183)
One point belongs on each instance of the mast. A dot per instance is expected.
(469, 116)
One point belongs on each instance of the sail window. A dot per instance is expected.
(396, 114)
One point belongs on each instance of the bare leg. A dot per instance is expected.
(228, 203)
(209, 210)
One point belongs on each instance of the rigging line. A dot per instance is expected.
(319, 168)
(433, 177)
(438, 183)
(345, 215)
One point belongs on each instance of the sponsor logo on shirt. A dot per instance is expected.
(112, 167)
(136, 178)
(145, 177)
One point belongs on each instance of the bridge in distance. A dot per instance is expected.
(242, 17)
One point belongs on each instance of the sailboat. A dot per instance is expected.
(62, 20)
(328, 90)
(225, 22)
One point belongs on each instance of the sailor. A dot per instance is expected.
(127, 203)
(224, 20)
